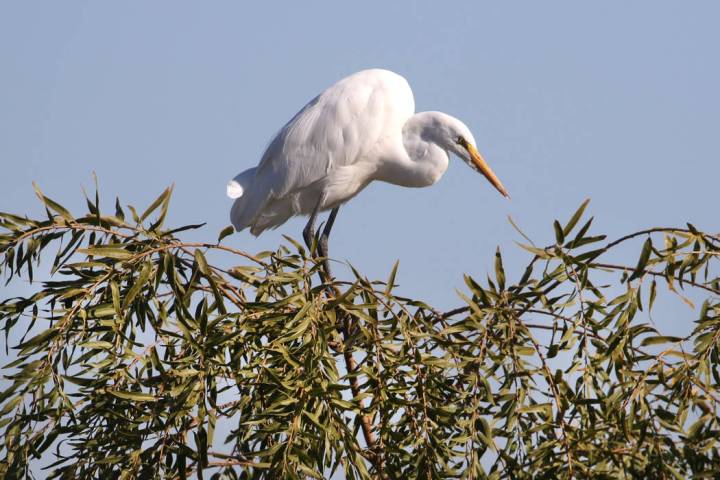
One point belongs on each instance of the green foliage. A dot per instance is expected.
(137, 349)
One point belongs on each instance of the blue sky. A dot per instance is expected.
(616, 101)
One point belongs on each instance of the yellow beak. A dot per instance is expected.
(485, 169)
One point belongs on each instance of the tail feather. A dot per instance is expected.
(246, 205)
(254, 206)
(239, 185)
(234, 189)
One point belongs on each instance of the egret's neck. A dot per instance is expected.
(420, 161)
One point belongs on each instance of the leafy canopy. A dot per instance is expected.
(140, 355)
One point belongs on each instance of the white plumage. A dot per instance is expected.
(361, 129)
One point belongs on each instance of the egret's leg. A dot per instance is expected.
(323, 243)
(309, 230)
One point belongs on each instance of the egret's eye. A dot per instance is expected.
(461, 141)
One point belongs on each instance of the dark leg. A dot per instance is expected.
(323, 244)
(309, 230)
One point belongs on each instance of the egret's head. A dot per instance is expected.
(454, 136)
(467, 151)
(462, 144)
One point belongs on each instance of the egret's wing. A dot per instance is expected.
(338, 127)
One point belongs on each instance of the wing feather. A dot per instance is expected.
(337, 128)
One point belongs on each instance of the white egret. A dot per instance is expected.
(361, 129)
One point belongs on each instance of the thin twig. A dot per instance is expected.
(351, 367)
(654, 230)
(610, 266)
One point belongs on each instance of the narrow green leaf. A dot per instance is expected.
(643, 260)
(542, 253)
(115, 251)
(161, 199)
(391, 280)
(229, 230)
(118, 210)
(139, 283)
(137, 396)
(537, 408)
(575, 218)
(499, 270)
(53, 205)
(659, 339)
(101, 345)
(43, 337)
(559, 235)
(517, 229)
(202, 263)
